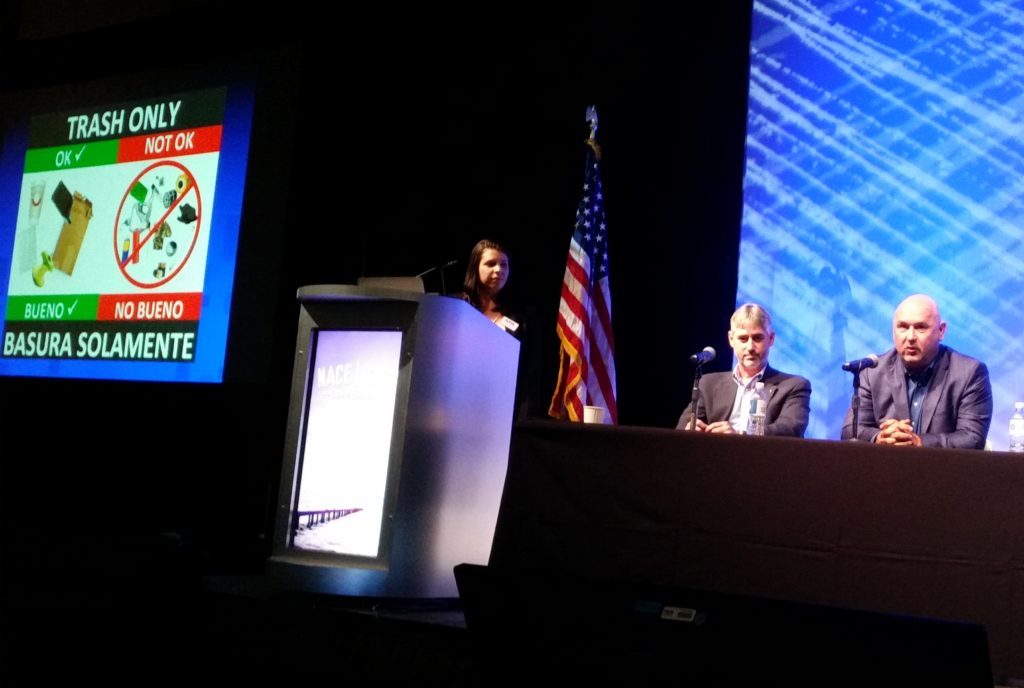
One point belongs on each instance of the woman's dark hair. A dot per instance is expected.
(471, 284)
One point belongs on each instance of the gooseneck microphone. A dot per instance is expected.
(702, 357)
(861, 364)
(438, 267)
(442, 268)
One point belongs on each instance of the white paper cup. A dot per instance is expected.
(593, 414)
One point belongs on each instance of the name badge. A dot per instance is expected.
(509, 324)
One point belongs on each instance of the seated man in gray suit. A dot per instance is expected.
(922, 392)
(724, 402)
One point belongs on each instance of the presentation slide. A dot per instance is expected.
(884, 158)
(118, 234)
(346, 447)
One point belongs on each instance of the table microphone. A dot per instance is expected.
(862, 364)
(702, 357)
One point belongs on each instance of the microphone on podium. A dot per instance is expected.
(438, 267)
(862, 364)
(442, 268)
(702, 357)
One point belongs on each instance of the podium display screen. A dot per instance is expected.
(345, 447)
(119, 228)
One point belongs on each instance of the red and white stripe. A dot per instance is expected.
(587, 372)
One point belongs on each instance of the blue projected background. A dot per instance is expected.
(884, 157)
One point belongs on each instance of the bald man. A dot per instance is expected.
(922, 393)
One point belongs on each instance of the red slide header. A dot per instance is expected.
(170, 144)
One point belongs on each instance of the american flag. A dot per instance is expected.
(586, 374)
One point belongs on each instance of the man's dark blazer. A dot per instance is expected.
(789, 401)
(957, 406)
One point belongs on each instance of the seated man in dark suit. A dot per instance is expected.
(724, 402)
(922, 393)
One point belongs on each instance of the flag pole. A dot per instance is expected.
(586, 374)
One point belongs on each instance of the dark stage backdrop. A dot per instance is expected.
(383, 144)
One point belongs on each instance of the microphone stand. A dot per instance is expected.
(855, 403)
(441, 268)
(695, 397)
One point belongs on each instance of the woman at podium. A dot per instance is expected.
(487, 274)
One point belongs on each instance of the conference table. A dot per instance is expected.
(931, 532)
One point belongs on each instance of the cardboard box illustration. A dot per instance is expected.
(72, 234)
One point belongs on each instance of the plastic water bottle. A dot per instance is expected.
(759, 402)
(1017, 428)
